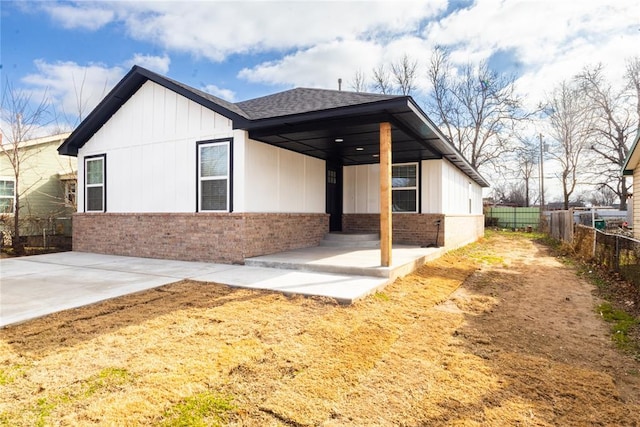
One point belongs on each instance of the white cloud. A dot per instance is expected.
(159, 64)
(319, 66)
(226, 94)
(82, 15)
(73, 89)
(550, 41)
(216, 30)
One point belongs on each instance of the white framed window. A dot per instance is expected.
(95, 183)
(404, 187)
(7, 195)
(214, 186)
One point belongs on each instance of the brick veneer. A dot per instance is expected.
(212, 237)
(408, 229)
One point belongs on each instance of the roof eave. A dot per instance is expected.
(449, 151)
(120, 94)
(631, 162)
(318, 115)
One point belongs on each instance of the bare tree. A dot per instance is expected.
(527, 160)
(477, 108)
(82, 101)
(24, 118)
(614, 125)
(358, 83)
(512, 193)
(603, 196)
(404, 74)
(570, 120)
(382, 79)
(633, 79)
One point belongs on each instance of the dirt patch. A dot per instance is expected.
(498, 333)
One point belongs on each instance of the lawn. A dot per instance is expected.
(448, 345)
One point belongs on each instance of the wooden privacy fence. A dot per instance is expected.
(561, 225)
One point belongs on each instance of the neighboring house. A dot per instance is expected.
(46, 186)
(632, 168)
(168, 171)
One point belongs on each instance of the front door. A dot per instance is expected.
(334, 196)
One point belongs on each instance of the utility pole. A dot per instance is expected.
(541, 176)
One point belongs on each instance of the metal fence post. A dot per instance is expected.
(617, 254)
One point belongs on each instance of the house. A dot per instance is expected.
(45, 185)
(169, 171)
(631, 168)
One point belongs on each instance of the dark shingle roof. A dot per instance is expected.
(221, 102)
(304, 100)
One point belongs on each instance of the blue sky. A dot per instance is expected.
(240, 50)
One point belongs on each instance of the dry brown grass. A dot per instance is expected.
(423, 352)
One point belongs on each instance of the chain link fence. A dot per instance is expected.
(39, 232)
(618, 253)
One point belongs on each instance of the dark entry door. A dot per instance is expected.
(334, 196)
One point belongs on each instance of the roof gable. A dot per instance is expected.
(125, 89)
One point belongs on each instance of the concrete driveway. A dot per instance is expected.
(38, 285)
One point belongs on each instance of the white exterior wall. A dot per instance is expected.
(361, 189)
(431, 191)
(150, 143)
(461, 195)
(446, 189)
(279, 180)
(443, 189)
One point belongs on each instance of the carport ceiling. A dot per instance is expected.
(350, 140)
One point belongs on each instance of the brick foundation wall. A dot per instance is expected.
(211, 237)
(267, 233)
(408, 229)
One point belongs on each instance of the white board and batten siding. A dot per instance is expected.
(444, 189)
(279, 180)
(361, 189)
(151, 154)
(150, 144)
(448, 190)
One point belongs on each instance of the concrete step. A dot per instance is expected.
(351, 240)
(348, 244)
(340, 236)
(349, 261)
(286, 264)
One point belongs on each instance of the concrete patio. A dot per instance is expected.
(35, 286)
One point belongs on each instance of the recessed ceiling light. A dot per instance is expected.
(359, 148)
(376, 155)
(339, 140)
